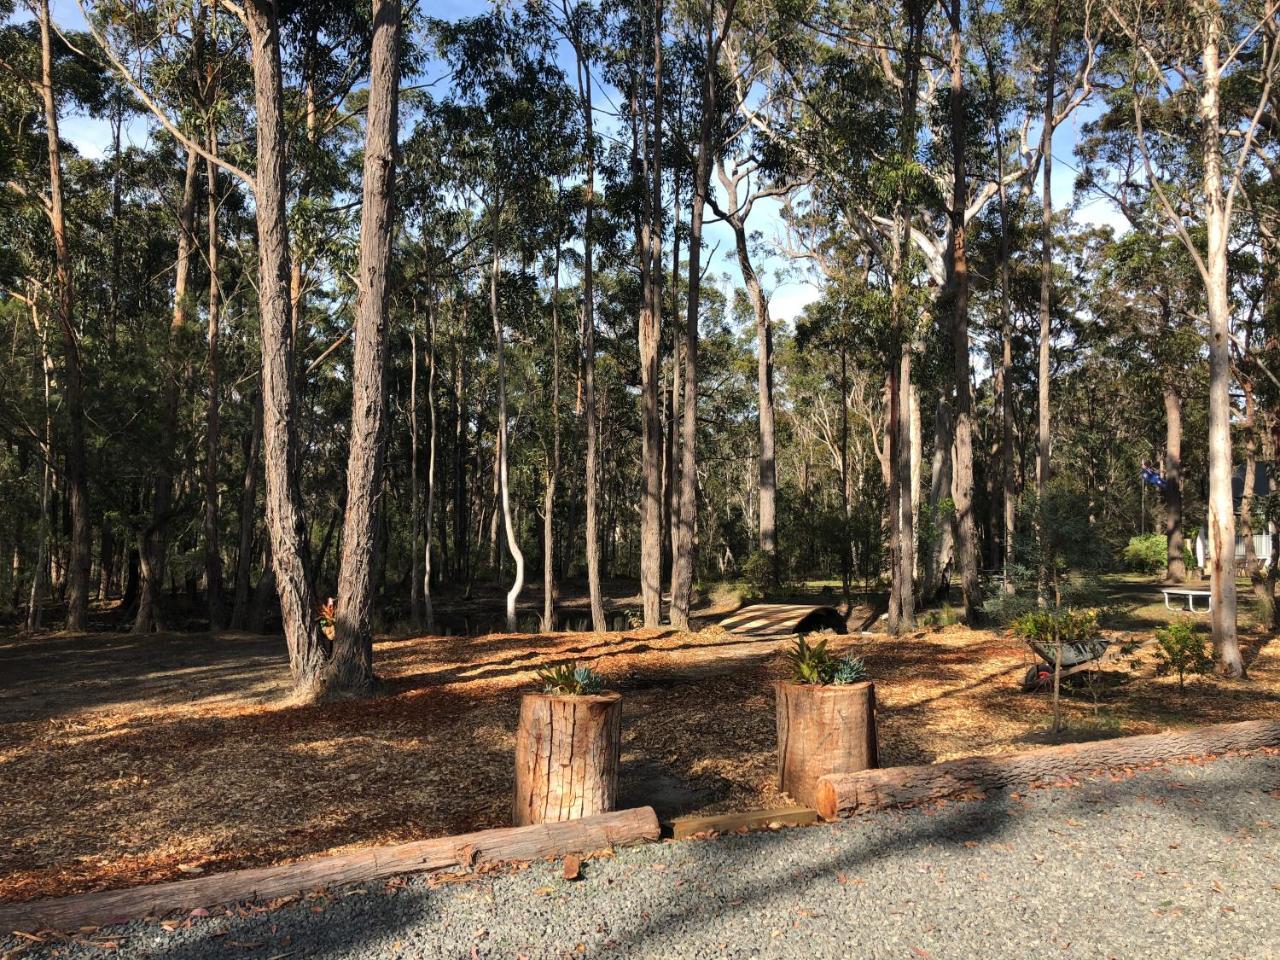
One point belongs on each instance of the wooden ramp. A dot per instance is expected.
(782, 619)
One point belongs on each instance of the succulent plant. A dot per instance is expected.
(570, 680)
(813, 663)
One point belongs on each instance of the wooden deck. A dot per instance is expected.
(783, 619)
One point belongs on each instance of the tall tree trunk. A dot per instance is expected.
(461, 501)
(35, 606)
(1221, 518)
(671, 481)
(650, 336)
(153, 540)
(248, 513)
(1007, 452)
(350, 670)
(286, 525)
(901, 527)
(685, 562)
(1046, 293)
(1176, 565)
(962, 478)
(592, 466)
(767, 473)
(415, 498)
(429, 526)
(504, 479)
(76, 471)
(941, 542)
(212, 549)
(553, 464)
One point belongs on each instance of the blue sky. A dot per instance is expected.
(788, 292)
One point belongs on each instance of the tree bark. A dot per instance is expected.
(35, 605)
(901, 526)
(1221, 518)
(553, 463)
(962, 478)
(823, 730)
(591, 414)
(433, 427)
(685, 561)
(843, 796)
(153, 540)
(504, 480)
(1007, 452)
(1176, 565)
(650, 337)
(1046, 293)
(248, 513)
(567, 750)
(415, 498)
(212, 549)
(286, 525)
(350, 668)
(76, 470)
(767, 473)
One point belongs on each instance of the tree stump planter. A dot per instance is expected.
(566, 757)
(823, 729)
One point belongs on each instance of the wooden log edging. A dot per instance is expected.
(466, 851)
(843, 795)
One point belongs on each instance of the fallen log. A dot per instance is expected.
(466, 851)
(841, 795)
(684, 827)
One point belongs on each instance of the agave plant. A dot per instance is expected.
(813, 663)
(570, 680)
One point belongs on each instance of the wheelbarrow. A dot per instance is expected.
(1078, 657)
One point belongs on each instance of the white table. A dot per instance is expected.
(1191, 598)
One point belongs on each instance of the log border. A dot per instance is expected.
(844, 795)
(466, 851)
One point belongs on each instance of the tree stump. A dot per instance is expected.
(823, 730)
(566, 756)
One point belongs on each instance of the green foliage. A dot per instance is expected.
(944, 616)
(570, 680)
(1147, 553)
(1181, 649)
(762, 573)
(1051, 626)
(815, 664)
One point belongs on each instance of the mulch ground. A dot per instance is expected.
(140, 759)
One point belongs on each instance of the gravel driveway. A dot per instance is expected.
(1182, 862)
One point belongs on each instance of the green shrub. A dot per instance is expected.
(1049, 626)
(813, 663)
(1147, 553)
(1180, 649)
(760, 573)
(570, 680)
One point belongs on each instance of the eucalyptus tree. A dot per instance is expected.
(711, 22)
(41, 73)
(1181, 59)
(759, 86)
(512, 124)
(350, 665)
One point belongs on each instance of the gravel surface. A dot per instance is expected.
(1181, 862)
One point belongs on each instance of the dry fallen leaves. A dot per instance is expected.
(232, 777)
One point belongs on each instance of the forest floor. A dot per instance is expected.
(134, 759)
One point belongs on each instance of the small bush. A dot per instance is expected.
(1180, 649)
(570, 680)
(816, 665)
(1063, 625)
(1147, 553)
(760, 573)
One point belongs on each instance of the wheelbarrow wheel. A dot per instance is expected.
(1037, 678)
